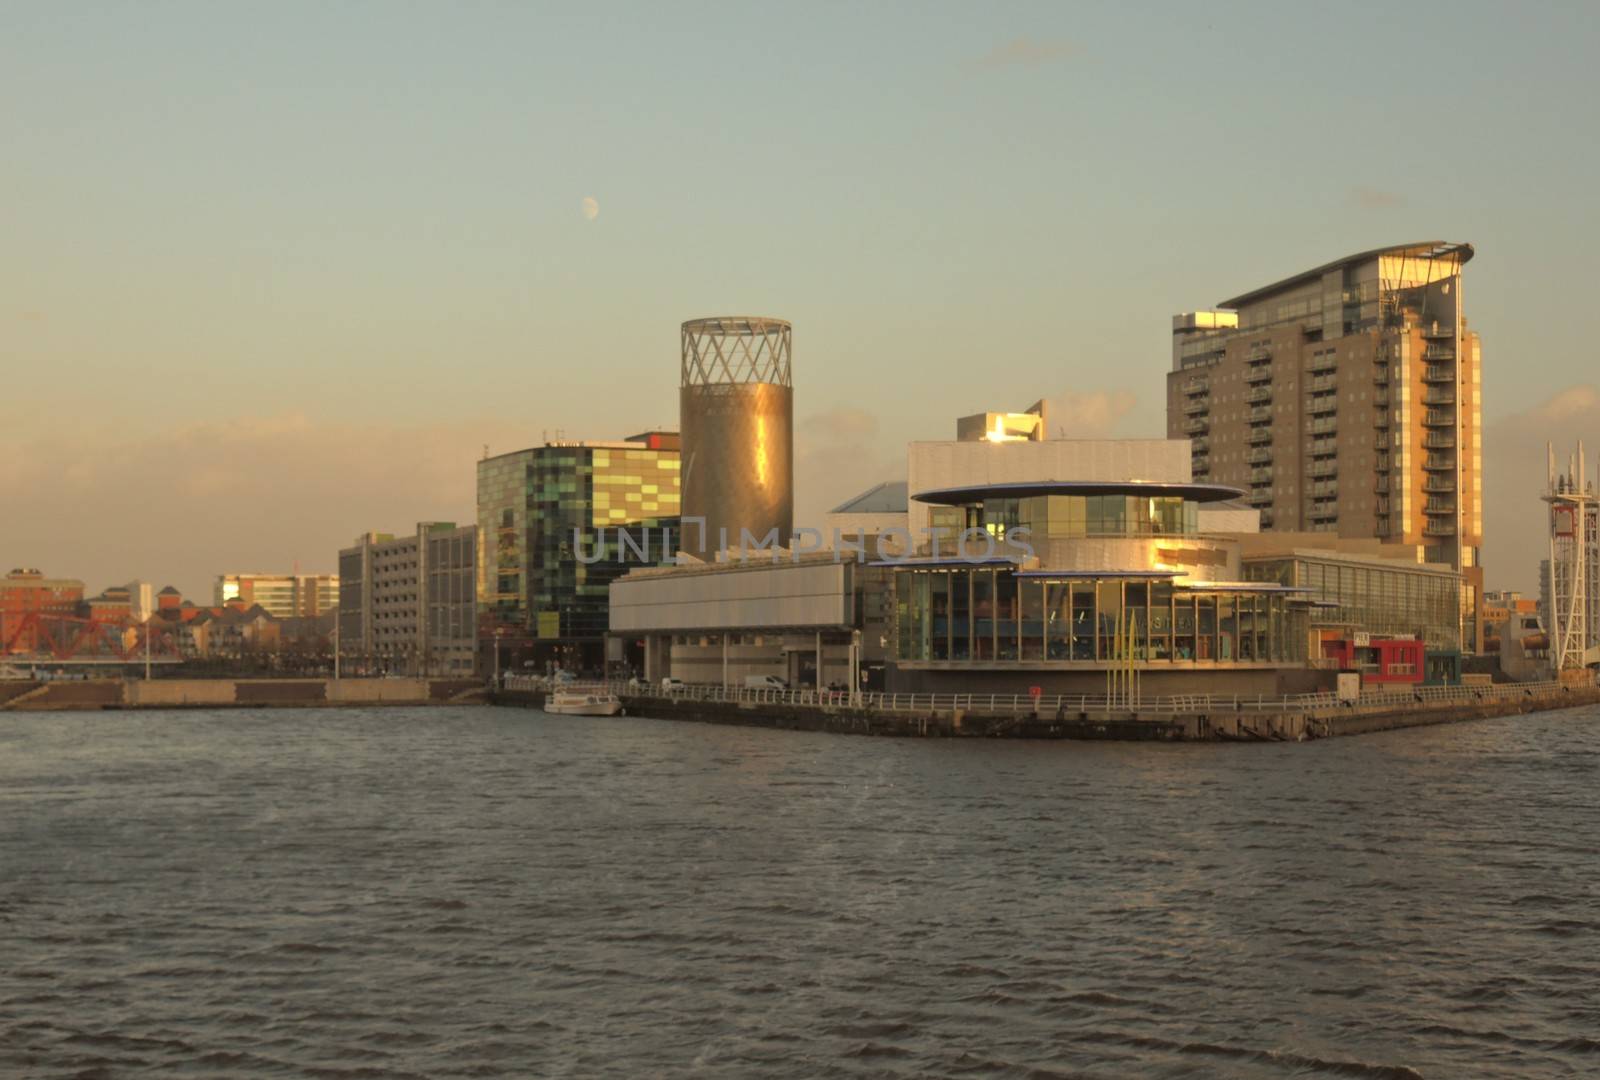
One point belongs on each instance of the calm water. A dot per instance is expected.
(491, 892)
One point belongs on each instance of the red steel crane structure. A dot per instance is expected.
(47, 637)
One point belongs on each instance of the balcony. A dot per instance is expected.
(1323, 384)
(1438, 418)
(1443, 396)
(1434, 373)
(1197, 426)
(1439, 440)
(1323, 512)
(1439, 484)
(1199, 469)
(1327, 489)
(1259, 456)
(1382, 485)
(1326, 426)
(1266, 519)
(1380, 374)
(1318, 364)
(1260, 498)
(1439, 352)
(1381, 399)
(1323, 447)
(1258, 394)
(1197, 385)
(1259, 436)
(1258, 373)
(1258, 353)
(1439, 463)
(1381, 507)
(1200, 446)
(1437, 330)
(1261, 476)
(1439, 506)
(1323, 468)
(1380, 440)
(1193, 408)
(1260, 412)
(1439, 528)
(1322, 404)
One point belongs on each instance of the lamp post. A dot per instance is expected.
(497, 632)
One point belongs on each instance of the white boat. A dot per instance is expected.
(575, 702)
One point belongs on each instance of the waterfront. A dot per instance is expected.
(485, 891)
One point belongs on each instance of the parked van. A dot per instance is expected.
(764, 682)
(670, 684)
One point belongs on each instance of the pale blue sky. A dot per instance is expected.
(368, 214)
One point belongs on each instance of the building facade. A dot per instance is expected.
(408, 605)
(556, 525)
(1346, 399)
(26, 598)
(812, 621)
(1113, 576)
(282, 596)
(736, 413)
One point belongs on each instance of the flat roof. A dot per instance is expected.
(1203, 493)
(1425, 249)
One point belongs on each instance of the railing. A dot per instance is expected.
(1371, 698)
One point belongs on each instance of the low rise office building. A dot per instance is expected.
(408, 604)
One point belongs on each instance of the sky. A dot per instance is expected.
(275, 275)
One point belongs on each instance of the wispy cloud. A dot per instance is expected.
(1371, 198)
(1026, 52)
(252, 492)
(1094, 414)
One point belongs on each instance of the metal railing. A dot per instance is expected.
(1372, 699)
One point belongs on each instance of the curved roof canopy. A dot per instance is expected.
(961, 496)
(1425, 249)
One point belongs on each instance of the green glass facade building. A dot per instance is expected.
(556, 525)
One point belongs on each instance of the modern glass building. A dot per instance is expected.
(557, 524)
(1373, 596)
(1106, 575)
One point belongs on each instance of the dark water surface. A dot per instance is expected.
(496, 892)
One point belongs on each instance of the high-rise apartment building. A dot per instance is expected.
(1346, 399)
(408, 604)
(544, 568)
(284, 596)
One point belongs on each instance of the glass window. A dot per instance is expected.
(1108, 595)
(1083, 620)
(960, 614)
(983, 614)
(1005, 615)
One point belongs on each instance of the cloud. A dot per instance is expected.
(838, 454)
(1370, 198)
(845, 421)
(1087, 415)
(1025, 52)
(256, 493)
(1514, 466)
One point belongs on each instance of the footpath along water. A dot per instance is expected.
(448, 892)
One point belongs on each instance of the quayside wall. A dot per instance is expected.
(233, 693)
(1294, 718)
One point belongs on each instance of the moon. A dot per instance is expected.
(591, 207)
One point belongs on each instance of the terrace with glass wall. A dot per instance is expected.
(993, 614)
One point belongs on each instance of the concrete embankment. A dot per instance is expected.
(1216, 723)
(233, 693)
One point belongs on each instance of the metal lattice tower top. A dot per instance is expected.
(736, 349)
